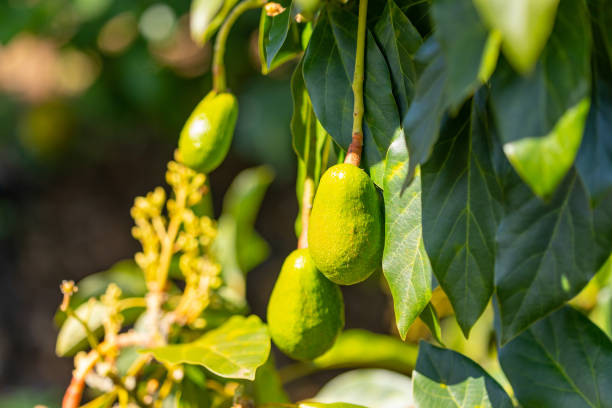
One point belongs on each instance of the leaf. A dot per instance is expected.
(545, 253)
(374, 388)
(430, 318)
(72, 336)
(276, 43)
(234, 350)
(444, 378)
(238, 247)
(525, 26)
(206, 16)
(602, 222)
(329, 64)
(550, 104)
(359, 348)
(406, 265)
(465, 42)
(267, 387)
(310, 404)
(422, 122)
(399, 42)
(461, 211)
(125, 274)
(103, 401)
(561, 361)
(594, 160)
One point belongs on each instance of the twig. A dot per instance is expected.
(353, 155)
(307, 197)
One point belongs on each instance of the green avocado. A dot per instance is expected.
(207, 134)
(346, 229)
(306, 311)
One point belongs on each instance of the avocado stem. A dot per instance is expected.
(353, 155)
(307, 197)
(218, 67)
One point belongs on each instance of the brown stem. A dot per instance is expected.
(353, 155)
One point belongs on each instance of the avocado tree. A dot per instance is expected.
(461, 147)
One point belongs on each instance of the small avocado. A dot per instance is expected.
(346, 229)
(306, 311)
(207, 134)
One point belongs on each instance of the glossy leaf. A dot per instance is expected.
(399, 42)
(72, 337)
(444, 378)
(464, 40)
(406, 265)
(279, 38)
(374, 388)
(525, 26)
(234, 350)
(551, 103)
(594, 160)
(422, 121)
(561, 361)
(545, 253)
(461, 210)
(329, 64)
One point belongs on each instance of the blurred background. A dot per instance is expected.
(93, 94)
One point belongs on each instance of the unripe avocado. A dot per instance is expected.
(346, 229)
(306, 311)
(207, 134)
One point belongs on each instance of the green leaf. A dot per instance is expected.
(374, 388)
(561, 361)
(469, 50)
(602, 222)
(234, 350)
(206, 16)
(125, 274)
(545, 253)
(461, 211)
(399, 42)
(525, 26)
(103, 401)
(238, 247)
(444, 378)
(329, 64)
(310, 404)
(422, 121)
(267, 387)
(279, 38)
(406, 265)
(361, 348)
(594, 160)
(551, 103)
(72, 336)
(429, 316)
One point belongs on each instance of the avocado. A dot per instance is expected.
(207, 135)
(306, 311)
(346, 229)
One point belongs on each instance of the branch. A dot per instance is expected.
(353, 155)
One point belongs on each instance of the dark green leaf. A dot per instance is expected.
(422, 122)
(561, 361)
(406, 265)
(541, 116)
(329, 64)
(279, 39)
(469, 50)
(545, 253)
(602, 222)
(594, 160)
(370, 387)
(234, 350)
(525, 26)
(399, 42)
(429, 316)
(461, 211)
(444, 378)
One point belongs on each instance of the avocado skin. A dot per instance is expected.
(207, 135)
(346, 229)
(306, 311)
